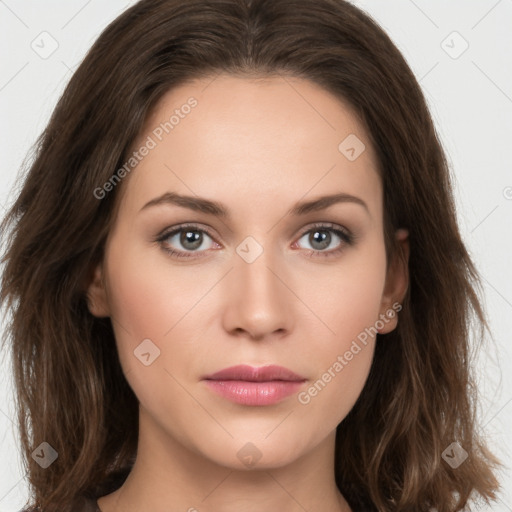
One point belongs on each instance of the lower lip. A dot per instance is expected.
(254, 393)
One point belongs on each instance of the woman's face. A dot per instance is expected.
(281, 278)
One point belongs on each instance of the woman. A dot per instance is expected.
(309, 349)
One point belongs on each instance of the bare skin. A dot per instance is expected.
(258, 147)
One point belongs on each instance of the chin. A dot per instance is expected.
(256, 453)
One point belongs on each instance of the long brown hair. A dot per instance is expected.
(420, 396)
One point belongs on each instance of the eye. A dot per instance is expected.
(321, 237)
(191, 242)
(188, 238)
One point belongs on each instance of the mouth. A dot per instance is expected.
(254, 386)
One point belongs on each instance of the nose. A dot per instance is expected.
(259, 300)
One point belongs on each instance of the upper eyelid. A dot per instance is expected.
(166, 233)
(181, 227)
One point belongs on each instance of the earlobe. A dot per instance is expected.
(397, 281)
(96, 294)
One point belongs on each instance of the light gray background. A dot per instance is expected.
(470, 96)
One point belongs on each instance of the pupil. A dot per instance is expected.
(191, 239)
(324, 239)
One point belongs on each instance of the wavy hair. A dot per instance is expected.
(420, 396)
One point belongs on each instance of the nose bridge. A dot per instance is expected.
(255, 270)
(259, 301)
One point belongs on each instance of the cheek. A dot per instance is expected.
(149, 302)
(338, 385)
(146, 303)
(146, 297)
(349, 305)
(350, 295)
(342, 361)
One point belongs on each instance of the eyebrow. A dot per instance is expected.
(210, 207)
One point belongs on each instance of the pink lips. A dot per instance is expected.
(248, 385)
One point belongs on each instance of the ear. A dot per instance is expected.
(397, 282)
(96, 293)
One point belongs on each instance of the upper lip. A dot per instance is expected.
(255, 374)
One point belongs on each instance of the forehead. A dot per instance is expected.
(273, 141)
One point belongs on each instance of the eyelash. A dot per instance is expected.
(346, 237)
